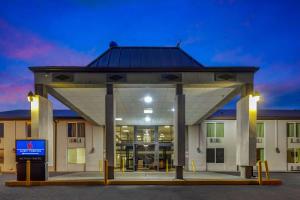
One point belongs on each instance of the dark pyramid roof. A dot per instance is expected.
(144, 57)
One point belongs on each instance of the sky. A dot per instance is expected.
(215, 32)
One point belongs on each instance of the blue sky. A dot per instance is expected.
(216, 33)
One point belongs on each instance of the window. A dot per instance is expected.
(293, 130)
(260, 130)
(293, 155)
(215, 155)
(215, 129)
(260, 154)
(80, 130)
(28, 129)
(76, 129)
(76, 155)
(210, 155)
(1, 130)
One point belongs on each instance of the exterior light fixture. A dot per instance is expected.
(147, 99)
(147, 119)
(148, 111)
(30, 96)
(118, 119)
(253, 102)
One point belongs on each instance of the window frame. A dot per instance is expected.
(295, 128)
(264, 129)
(215, 158)
(76, 128)
(215, 129)
(76, 163)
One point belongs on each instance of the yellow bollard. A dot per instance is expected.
(105, 172)
(123, 166)
(259, 173)
(27, 172)
(267, 170)
(167, 167)
(193, 166)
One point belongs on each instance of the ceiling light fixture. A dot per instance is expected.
(147, 99)
(118, 119)
(148, 111)
(147, 119)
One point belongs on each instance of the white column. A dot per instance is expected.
(246, 135)
(42, 123)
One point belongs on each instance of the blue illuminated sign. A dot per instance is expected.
(30, 147)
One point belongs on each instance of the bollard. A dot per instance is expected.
(259, 176)
(193, 166)
(27, 172)
(123, 166)
(167, 167)
(105, 172)
(267, 170)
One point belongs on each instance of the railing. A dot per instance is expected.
(259, 172)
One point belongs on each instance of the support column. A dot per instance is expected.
(42, 120)
(246, 132)
(156, 148)
(109, 129)
(179, 132)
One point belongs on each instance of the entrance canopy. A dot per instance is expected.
(137, 72)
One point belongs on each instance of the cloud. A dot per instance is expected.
(237, 57)
(23, 45)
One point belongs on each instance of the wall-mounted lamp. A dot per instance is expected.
(30, 96)
(253, 99)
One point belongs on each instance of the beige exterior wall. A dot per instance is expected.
(275, 136)
(93, 138)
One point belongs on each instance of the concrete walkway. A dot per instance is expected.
(142, 176)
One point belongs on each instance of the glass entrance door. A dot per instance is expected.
(145, 148)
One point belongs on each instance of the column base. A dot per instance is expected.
(179, 172)
(110, 174)
(246, 171)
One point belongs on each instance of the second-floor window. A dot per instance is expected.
(215, 129)
(293, 130)
(260, 130)
(76, 129)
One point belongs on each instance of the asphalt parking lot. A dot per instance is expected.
(290, 189)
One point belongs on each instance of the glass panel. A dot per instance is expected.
(71, 129)
(220, 130)
(290, 156)
(298, 130)
(220, 155)
(211, 129)
(260, 132)
(210, 155)
(76, 155)
(165, 134)
(1, 130)
(291, 129)
(80, 130)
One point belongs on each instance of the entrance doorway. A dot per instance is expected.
(144, 148)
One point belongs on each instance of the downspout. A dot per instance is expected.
(55, 145)
(276, 138)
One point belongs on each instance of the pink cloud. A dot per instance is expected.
(23, 45)
(236, 56)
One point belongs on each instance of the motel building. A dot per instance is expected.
(151, 109)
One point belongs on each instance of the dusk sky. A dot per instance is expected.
(216, 33)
